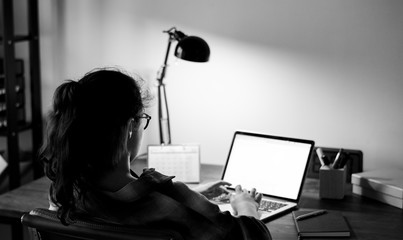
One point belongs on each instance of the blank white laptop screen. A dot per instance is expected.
(273, 166)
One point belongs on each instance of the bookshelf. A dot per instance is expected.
(13, 90)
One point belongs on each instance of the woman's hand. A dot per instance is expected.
(212, 189)
(245, 202)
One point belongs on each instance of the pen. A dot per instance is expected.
(322, 157)
(338, 159)
(344, 160)
(225, 189)
(311, 214)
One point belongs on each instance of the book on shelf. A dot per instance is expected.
(19, 66)
(329, 224)
(385, 181)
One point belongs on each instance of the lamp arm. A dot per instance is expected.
(163, 113)
(174, 35)
(196, 50)
(162, 71)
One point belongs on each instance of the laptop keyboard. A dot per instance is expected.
(265, 205)
(223, 198)
(269, 206)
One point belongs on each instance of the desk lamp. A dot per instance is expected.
(190, 48)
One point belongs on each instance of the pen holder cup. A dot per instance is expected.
(332, 182)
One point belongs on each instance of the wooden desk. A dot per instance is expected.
(368, 219)
(15, 203)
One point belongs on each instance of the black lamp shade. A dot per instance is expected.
(193, 49)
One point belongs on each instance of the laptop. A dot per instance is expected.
(275, 166)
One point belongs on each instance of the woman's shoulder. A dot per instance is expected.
(150, 175)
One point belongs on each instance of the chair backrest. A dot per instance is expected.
(43, 224)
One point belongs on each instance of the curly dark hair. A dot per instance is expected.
(86, 133)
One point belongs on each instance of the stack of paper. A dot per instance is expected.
(383, 185)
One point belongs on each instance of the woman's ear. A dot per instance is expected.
(130, 127)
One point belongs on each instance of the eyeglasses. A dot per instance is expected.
(147, 117)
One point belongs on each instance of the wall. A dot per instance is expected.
(330, 71)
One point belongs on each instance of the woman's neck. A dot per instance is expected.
(117, 178)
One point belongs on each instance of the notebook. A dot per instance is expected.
(330, 224)
(274, 165)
